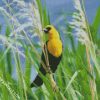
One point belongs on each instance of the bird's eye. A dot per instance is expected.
(48, 28)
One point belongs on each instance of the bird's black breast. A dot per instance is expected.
(54, 61)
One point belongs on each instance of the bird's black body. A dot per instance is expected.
(53, 63)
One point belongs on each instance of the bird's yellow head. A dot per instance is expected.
(51, 31)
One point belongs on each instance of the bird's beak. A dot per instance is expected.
(45, 30)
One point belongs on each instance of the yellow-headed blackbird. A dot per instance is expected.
(54, 50)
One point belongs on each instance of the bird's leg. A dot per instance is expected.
(48, 69)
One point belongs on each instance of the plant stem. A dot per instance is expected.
(55, 87)
(91, 81)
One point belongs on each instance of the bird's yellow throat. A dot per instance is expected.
(54, 44)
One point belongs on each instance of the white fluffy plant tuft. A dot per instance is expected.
(82, 32)
(23, 18)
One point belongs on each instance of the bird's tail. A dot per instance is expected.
(37, 82)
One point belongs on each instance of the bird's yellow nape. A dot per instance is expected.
(49, 26)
